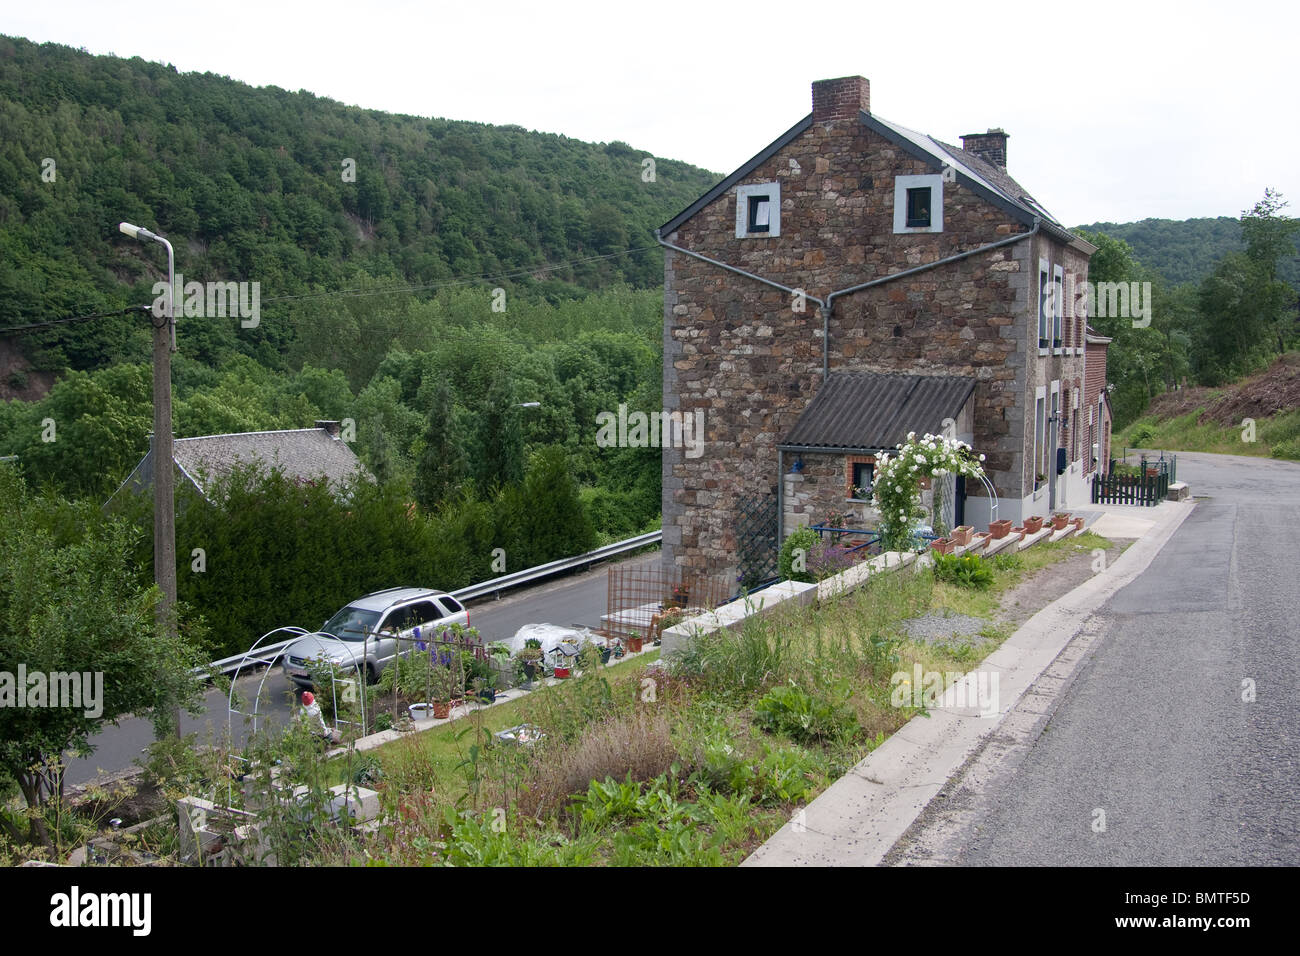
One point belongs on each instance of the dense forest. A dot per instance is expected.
(1186, 250)
(469, 296)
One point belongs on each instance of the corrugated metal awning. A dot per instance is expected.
(876, 410)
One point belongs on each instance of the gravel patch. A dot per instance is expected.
(939, 628)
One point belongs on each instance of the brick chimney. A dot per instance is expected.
(331, 428)
(840, 99)
(990, 146)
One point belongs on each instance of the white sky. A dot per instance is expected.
(1117, 111)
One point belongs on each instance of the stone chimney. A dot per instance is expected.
(331, 428)
(840, 99)
(990, 146)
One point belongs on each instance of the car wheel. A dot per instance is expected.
(371, 676)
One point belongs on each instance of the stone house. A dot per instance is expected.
(302, 454)
(854, 281)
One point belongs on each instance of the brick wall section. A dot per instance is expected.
(736, 349)
(1094, 384)
(840, 99)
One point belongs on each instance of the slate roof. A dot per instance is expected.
(974, 172)
(873, 411)
(304, 453)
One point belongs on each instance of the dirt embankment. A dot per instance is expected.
(17, 377)
(1277, 389)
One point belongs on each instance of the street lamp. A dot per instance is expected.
(164, 504)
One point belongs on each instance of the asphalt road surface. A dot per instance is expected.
(1176, 742)
(575, 600)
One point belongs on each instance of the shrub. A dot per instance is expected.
(795, 554)
(1141, 435)
(967, 571)
(804, 717)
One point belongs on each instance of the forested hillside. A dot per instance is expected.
(1185, 250)
(299, 193)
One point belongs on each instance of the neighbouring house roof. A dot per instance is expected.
(873, 411)
(978, 174)
(1092, 337)
(306, 454)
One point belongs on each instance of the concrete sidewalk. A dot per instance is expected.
(859, 817)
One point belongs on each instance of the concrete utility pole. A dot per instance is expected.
(164, 502)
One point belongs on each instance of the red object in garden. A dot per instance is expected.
(1000, 529)
(441, 709)
(1020, 533)
(1060, 520)
(942, 545)
(634, 644)
(561, 672)
(1034, 524)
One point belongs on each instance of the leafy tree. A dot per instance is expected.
(70, 601)
(500, 445)
(442, 465)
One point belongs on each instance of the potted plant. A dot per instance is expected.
(1059, 520)
(1020, 533)
(681, 596)
(634, 642)
(999, 529)
(961, 536)
(942, 545)
(981, 539)
(1034, 524)
(420, 711)
(530, 657)
(1078, 524)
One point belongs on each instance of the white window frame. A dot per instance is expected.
(901, 185)
(773, 193)
(1058, 310)
(1040, 427)
(1079, 312)
(1053, 409)
(1044, 323)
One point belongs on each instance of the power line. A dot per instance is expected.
(459, 280)
(70, 320)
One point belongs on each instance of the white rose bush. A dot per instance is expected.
(898, 477)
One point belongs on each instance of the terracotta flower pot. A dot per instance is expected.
(981, 539)
(441, 709)
(634, 644)
(961, 536)
(1020, 533)
(1000, 529)
(1078, 523)
(1034, 524)
(1060, 520)
(942, 545)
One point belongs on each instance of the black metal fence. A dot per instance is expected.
(1141, 489)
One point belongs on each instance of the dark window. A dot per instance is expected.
(864, 473)
(451, 604)
(423, 613)
(760, 214)
(918, 207)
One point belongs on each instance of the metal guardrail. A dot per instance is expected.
(492, 586)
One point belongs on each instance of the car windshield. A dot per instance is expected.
(352, 624)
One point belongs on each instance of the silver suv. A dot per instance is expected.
(371, 631)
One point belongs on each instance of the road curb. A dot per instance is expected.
(859, 818)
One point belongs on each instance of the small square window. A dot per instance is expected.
(918, 207)
(758, 211)
(864, 473)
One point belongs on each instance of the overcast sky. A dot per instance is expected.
(1116, 112)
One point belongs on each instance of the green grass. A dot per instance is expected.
(1275, 437)
(748, 728)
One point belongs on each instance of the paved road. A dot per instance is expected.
(576, 600)
(1153, 729)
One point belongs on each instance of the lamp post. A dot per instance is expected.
(164, 504)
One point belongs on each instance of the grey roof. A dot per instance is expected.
(303, 453)
(871, 411)
(982, 177)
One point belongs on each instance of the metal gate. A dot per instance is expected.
(756, 545)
